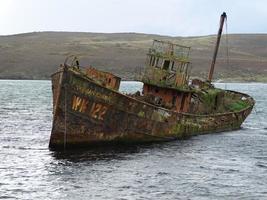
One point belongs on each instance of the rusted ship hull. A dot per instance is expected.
(85, 113)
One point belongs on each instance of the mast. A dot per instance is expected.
(223, 17)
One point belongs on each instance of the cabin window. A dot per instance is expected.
(152, 61)
(186, 67)
(183, 102)
(166, 64)
(173, 100)
(157, 62)
(160, 63)
(180, 67)
(173, 66)
(177, 66)
(183, 67)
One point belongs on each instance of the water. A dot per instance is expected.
(230, 165)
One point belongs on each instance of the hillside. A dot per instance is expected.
(37, 55)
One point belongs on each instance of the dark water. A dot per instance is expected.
(229, 165)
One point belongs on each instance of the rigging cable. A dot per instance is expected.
(227, 43)
(227, 48)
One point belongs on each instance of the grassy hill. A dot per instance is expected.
(37, 55)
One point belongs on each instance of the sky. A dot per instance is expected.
(164, 17)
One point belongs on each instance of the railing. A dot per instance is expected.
(168, 49)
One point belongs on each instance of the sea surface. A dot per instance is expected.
(229, 165)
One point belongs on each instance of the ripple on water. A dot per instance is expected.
(220, 166)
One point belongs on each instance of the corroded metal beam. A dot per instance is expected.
(223, 17)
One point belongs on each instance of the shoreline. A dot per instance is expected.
(130, 80)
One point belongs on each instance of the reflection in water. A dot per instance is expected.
(96, 153)
(109, 152)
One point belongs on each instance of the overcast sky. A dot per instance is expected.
(166, 17)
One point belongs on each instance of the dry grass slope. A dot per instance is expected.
(37, 55)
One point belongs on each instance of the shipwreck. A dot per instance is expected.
(88, 108)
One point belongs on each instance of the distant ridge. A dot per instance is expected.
(37, 55)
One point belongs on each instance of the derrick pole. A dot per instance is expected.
(223, 17)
